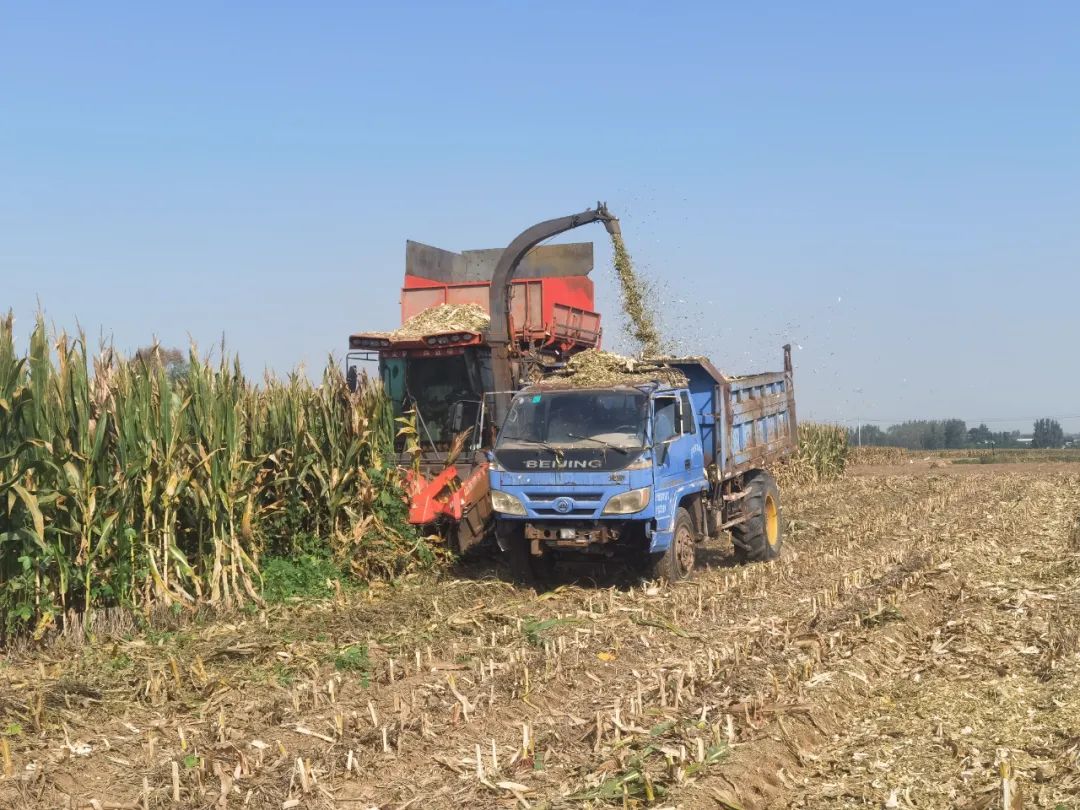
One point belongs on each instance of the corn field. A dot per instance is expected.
(120, 486)
(822, 454)
(878, 455)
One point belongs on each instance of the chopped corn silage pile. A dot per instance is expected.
(595, 368)
(440, 319)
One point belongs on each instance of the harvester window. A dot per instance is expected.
(434, 385)
(393, 375)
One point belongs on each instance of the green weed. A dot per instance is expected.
(308, 574)
(355, 658)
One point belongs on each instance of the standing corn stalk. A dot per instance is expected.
(121, 486)
(822, 454)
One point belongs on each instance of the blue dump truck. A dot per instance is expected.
(643, 467)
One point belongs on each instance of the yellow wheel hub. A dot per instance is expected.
(772, 521)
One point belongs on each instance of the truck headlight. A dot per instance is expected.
(629, 502)
(506, 503)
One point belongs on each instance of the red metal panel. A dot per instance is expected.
(535, 320)
(415, 301)
(590, 322)
(573, 291)
(542, 308)
(517, 305)
(468, 294)
(416, 283)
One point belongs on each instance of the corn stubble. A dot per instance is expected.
(921, 620)
(898, 628)
(122, 486)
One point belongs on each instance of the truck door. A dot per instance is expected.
(674, 441)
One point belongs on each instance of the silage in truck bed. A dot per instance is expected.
(595, 368)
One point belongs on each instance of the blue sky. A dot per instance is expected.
(896, 190)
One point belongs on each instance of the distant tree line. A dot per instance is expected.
(950, 434)
(174, 361)
(1047, 433)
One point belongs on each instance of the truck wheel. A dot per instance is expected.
(761, 537)
(678, 561)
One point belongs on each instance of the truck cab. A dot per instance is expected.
(596, 471)
(641, 472)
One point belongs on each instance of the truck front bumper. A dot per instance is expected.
(572, 533)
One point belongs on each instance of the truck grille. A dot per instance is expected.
(585, 503)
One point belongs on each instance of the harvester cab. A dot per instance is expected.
(476, 326)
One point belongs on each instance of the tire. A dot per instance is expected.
(761, 537)
(525, 568)
(677, 561)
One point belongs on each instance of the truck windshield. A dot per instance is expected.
(579, 419)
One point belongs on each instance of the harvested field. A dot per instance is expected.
(915, 647)
(896, 455)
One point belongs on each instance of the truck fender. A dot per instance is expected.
(669, 500)
(665, 519)
(694, 503)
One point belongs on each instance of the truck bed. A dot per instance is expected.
(746, 422)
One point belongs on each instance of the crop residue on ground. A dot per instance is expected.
(916, 640)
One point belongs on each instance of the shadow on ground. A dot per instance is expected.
(489, 564)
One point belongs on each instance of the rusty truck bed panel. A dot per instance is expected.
(746, 422)
(759, 422)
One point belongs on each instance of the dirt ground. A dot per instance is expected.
(914, 647)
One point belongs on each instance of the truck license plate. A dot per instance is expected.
(567, 534)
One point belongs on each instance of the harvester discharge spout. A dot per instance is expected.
(501, 284)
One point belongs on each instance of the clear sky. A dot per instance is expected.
(896, 189)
